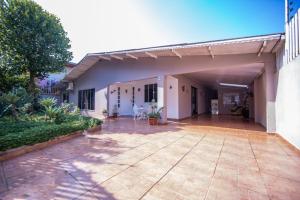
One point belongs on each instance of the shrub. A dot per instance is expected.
(32, 133)
(93, 122)
(16, 134)
(48, 102)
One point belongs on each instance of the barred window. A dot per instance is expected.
(86, 99)
(119, 97)
(150, 92)
(133, 96)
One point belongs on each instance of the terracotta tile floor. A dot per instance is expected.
(204, 158)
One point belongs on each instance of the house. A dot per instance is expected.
(184, 78)
(54, 86)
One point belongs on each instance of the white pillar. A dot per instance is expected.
(270, 97)
(162, 96)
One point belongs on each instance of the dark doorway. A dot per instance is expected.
(194, 101)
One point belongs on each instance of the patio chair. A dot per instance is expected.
(136, 112)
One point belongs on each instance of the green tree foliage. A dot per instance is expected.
(32, 41)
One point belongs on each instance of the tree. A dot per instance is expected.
(32, 41)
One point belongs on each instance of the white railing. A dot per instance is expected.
(293, 37)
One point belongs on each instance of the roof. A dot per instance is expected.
(70, 64)
(244, 45)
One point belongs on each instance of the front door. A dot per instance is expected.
(194, 101)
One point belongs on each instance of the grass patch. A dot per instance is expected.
(28, 132)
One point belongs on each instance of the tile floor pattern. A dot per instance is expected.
(194, 159)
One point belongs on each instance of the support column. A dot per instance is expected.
(270, 97)
(162, 96)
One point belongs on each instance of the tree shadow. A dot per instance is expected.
(59, 173)
(77, 168)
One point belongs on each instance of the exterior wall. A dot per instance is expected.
(185, 97)
(105, 73)
(225, 109)
(126, 98)
(260, 100)
(173, 98)
(288, 100)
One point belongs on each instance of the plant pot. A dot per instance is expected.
(153, 121)
(115, 115)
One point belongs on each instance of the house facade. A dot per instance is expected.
(260, 71)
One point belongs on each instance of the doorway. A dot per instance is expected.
(194, 103)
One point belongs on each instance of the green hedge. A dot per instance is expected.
(16, 134)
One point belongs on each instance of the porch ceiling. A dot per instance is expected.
(247, 45)
(235, 75)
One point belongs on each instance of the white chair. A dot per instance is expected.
(136, 113)
(147, 110)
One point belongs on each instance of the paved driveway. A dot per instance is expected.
(131, 160)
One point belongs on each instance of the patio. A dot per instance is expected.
(195, 159)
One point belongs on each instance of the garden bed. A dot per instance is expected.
(36, 130)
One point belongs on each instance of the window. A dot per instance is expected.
(119, 97)
(151, 92)
(65, 97)
(133, 100)
(86, 99)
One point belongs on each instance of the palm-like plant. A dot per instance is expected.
(11, 99)
(49, 106)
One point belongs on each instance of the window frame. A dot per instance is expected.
(150, 92)
(86, 99)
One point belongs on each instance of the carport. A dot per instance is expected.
(178, 68)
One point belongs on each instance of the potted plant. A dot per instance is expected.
(154, 115)
(153, 118)
(105, 113)
(115, 111)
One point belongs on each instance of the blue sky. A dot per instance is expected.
(106, 25)
(197, 20)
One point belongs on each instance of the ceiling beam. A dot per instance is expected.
(151, 55)
(264, 44)
(131, 56)
(104, 58)
(176, 53)
(116, 57)
(211, 52)
(278, 44)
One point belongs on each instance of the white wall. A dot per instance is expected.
(260, 100)
(185, 96)
(126, 98)
(172, 99)
(288, 101)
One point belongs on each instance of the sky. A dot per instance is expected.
(108, 25)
